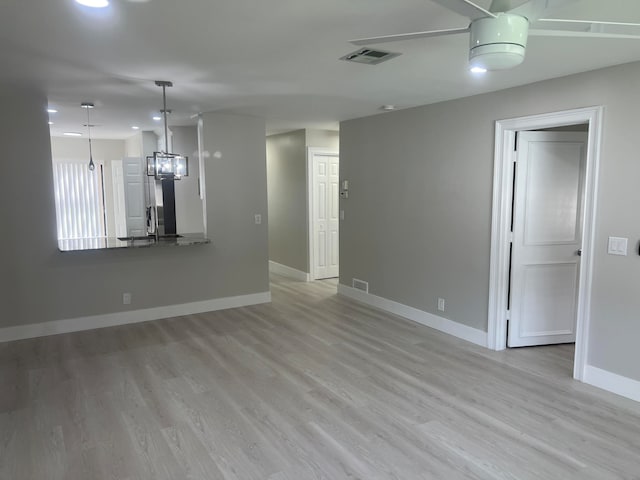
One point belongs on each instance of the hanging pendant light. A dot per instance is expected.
(167, 165)
(88, 106)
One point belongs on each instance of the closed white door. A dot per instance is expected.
(134, 196)
(325, 200)
(547, 237)
(119, 209)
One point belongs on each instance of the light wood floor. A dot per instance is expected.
(311, 386)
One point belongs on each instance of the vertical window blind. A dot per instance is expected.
(79, 205)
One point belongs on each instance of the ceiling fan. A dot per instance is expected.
(498, 36)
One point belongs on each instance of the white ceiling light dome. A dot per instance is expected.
(94, 3)
(498, 43)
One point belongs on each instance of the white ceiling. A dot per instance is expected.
(277, 58)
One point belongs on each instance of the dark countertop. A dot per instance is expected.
(105, 243)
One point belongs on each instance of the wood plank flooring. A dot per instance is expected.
(312, 386)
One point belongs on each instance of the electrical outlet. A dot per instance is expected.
(258, 218)
(126, 298)
(441, 304)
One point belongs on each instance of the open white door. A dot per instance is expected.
(325, 215)
(547, 237)
(134, 196)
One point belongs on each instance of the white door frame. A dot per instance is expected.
(501, 222)
(311, 152)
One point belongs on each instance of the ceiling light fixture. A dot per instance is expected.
(388, 108)
(94, 3)
(52, 110)
(88, 106)
(157, 118)
(50, 123)
(478, 70)
(165, 165)
(72, 134)
(135, 127)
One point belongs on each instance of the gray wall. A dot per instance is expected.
(41, 284)
(287, 187)
(323, 138)
(188, 203)
(418, 216)
(236, 186)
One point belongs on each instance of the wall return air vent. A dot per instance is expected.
(360, 285)
(369, 56)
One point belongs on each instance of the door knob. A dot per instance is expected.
(579, 252)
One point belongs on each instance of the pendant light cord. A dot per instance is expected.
(91, 164)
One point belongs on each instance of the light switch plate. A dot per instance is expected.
(258, 218)
(618, 246)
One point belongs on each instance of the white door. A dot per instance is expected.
(119, 209)
(325, 221)
(547, 237)
(134, 196)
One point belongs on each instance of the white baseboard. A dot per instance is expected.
(612, 382)
(281, 269)
(445, 325)
(55, 327)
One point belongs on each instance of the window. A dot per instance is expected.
(79, 201)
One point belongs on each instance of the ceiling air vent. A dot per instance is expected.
(369, 56)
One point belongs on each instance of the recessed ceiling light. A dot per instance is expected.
(72, 134)
(478, 70)
(388, 108)
(135, 127)
(52, 110)
(157, 119)
(94, 3)
(50, 123)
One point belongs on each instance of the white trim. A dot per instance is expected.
(501, 219)
(624, 386)
(445, 325)
(311, 151)
(287, 271)
(55, 327)
(202, 172)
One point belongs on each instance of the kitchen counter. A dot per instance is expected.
(105, 243)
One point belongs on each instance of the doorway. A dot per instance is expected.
(323, 167)
(506, 211)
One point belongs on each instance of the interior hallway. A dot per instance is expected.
(312, 386)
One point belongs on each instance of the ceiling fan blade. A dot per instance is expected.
(408, 36)
(465, 8)
(589, 28)
(588, 22)
(534, 9)
(534, 32)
